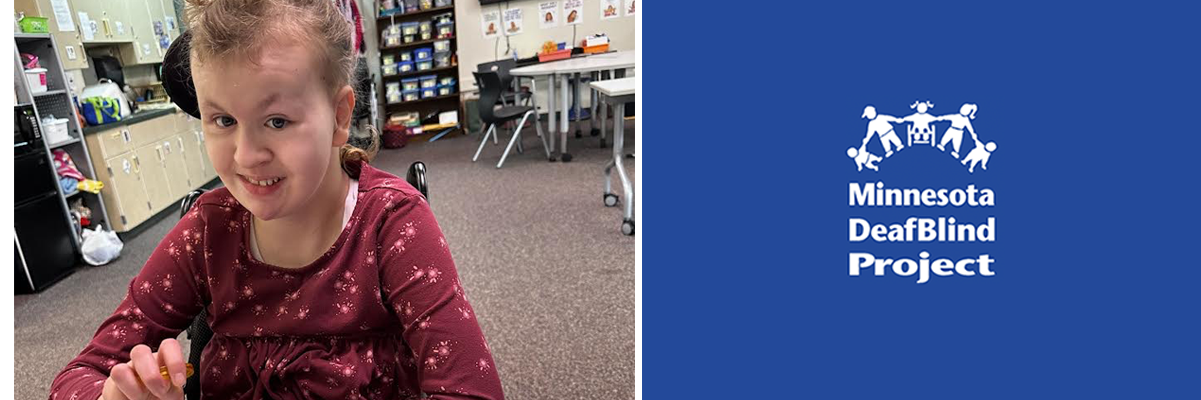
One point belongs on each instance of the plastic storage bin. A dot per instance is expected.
(446, 80)
(423, 54)
(404, 67)
(393, 92)
(444, 18)
(446, 29)
(427, 4)
(388, 59)
(408, 31)
(444, 90)
(405, 56)
(411, 6)
(425, 65)
(36, 77)
(443, 3)
(409, 84)
(441, 45)
(31, 24)
(428, 81)
(427, 30)
(55, 130)
(429, 92)
(442, 59)
(410, 95)
(389, 69)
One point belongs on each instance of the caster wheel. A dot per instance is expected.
(578, 134)
(630, 156)
(604, 143)
(610, 200)
(566, 157)
(627, 227)
(551, 159)
(594, 132)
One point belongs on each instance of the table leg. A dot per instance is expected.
(551, 128)
(579, 119)
(627, 189)
(563, 154)
(592, 108)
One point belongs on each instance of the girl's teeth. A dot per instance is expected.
(268, 182)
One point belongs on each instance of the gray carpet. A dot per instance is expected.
(544, 263)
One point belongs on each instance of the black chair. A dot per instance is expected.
(509, 96)
(490, 90)
(199, 332)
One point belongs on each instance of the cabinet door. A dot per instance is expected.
(119, 19)
(144, 46)
(123, 192)
(154, 176)
(189, 146)
(110, 143)
(175, 167)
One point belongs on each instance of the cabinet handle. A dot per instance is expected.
(167, 146)
(181, 148)
(137, 165)
(125, 134)
(159, 151)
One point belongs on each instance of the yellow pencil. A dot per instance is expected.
(167, 376)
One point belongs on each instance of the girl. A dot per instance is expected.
(959, 122)
(322, 276)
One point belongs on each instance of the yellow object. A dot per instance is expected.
(163, 370)
(549, 47)
(89, 185)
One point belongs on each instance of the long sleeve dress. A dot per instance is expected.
(380, 315)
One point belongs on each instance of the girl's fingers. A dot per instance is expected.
(126, 380)
(146, 366)
(171, 355)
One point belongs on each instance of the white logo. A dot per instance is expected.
(921, 130)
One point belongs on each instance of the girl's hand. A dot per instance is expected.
(140, 378)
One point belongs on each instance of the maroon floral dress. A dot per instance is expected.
(381, 315)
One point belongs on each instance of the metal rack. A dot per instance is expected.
(57, 101)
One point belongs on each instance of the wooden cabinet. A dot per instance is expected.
(123, 191)
(70, 44)
(145, 16)
(149, 166)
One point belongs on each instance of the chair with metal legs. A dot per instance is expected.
(491, 90)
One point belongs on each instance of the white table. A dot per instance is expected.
(564, 70)
(618, 92)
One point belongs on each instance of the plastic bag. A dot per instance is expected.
(101, 246)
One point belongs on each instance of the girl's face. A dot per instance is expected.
(272, 128)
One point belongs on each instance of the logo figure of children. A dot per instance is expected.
(863, 158)
(921, 123)
(881, 125)
(959, 122)
(979, 154)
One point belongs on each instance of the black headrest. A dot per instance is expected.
(177, 75)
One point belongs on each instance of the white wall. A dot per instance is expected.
(475, 49)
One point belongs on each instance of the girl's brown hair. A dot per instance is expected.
(224, 28)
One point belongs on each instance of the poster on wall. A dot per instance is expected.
(610, 9)
(490, 23)
(629, 8)
(512, 22)
(573, 11)
(548, 14)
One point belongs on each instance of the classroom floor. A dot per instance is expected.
(548, 271)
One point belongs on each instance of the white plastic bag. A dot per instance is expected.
(101, 246)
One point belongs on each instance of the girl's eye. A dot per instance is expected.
(277, 123)
(224, 121)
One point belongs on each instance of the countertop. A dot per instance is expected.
(132, 119)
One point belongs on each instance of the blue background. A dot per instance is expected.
(748, 109)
